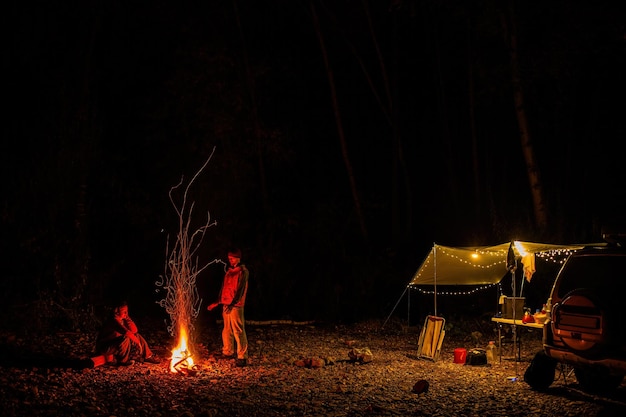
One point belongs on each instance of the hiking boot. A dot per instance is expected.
(127, 363)
(240, 363)
(152, 359)
(222, 356)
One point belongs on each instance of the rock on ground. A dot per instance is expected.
(42, 378)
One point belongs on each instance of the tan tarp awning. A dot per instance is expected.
(483, 265)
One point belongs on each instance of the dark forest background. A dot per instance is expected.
(348, 137)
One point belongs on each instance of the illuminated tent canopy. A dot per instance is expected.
(482, 265)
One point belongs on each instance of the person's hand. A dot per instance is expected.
(129, 325)
(227, 309)
(133, 338)
(212, 306)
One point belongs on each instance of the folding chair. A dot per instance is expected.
(564, 371)
(431, 338)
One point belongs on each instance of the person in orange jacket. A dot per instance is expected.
(119, 338)
(232, 297)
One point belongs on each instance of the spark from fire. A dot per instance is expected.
(182, 301)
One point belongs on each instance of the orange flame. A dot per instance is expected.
(181, 356)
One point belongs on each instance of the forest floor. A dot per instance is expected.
(294, 369)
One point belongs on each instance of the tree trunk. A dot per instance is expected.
(401, 230)
(532, 169)
(255, 114)
(472, 119)
(338, 121)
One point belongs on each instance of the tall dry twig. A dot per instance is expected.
(182, 301)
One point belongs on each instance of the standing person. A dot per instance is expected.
(119, 338)
(232, 297)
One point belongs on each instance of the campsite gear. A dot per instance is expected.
(540, 318)
(431, 338)
(459, 355)
(515, 305)
(473, 266)
(491, 351)
(541, 372)
(476, 357)
(528, 318)
(511, 303)
(480, 265)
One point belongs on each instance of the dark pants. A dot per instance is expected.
(122, 348)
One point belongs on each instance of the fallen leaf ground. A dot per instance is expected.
(47, 376)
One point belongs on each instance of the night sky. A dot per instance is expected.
(109, 104)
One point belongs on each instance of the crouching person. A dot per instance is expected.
(119, 341)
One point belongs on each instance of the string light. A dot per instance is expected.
(466, 292)
(557, 256)
(476, 256)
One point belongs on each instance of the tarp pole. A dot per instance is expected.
(394, 307)
(435, 282)
(408, 309)
(511, 264)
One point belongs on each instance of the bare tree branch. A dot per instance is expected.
(182, 301)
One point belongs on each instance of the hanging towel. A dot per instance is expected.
(528, 261)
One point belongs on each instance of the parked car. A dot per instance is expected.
(586, 326)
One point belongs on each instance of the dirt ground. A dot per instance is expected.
(305, 369)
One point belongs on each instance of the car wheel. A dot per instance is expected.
(595, 381)
(540, 373)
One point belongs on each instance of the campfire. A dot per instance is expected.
(182, 359)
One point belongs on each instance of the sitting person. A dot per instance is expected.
(119, 339)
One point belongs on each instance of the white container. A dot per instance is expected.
(491, 352)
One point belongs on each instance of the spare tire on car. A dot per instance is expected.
(580, 321)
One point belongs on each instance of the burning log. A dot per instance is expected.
(181, 356)
(183, 365)
(177, 364)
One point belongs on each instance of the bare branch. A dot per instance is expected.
(182, 301)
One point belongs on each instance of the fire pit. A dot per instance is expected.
(182, 359)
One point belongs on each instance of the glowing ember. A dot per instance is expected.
(181, 356)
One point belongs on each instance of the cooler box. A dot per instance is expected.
(507, 307)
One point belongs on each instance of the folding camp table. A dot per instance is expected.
(517, 341)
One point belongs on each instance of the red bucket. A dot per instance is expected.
(459, 355)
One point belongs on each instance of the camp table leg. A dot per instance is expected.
(500, 341)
